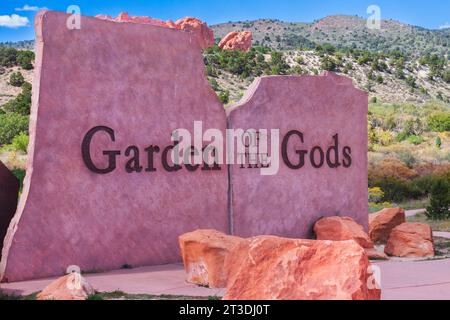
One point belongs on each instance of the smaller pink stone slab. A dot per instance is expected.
(288, 203)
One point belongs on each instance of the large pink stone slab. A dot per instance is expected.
(143, 81)
(9, 191)
(289, 203)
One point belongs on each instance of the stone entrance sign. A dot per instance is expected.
(102, 191)
(9, 191)
(322, 124)
(117, 89)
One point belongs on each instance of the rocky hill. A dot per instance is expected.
(387, 78)
(342, 31)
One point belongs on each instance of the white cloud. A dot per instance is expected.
(445, 26)
(13, 21)
(30, 8)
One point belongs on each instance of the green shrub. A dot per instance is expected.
(376, 194)
(328, 63)
(224, 97)
(20, 142)
(396, 190)
(22, 103)
(446, 76)
(25, 59)
(16, 79)
(11, 125)
(439, 201)
(439, 122)
(416, 140)
(20, 174)
(438, 142)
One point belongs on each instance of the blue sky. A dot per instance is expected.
(16, 16)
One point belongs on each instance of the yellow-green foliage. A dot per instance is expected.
(376, 194)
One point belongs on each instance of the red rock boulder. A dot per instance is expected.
(382, 223)
(70, 287)
(341, 229)
(204, 253)
(272, 268)
(345, 228)
(237, 41)
(203, 34)
(411, 240)
(200, 29)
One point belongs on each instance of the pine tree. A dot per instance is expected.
(439, 201)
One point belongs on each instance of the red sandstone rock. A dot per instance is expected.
(70, 287)
(382, 223)
(205, 35)
(200, 29)
(203, 253)
(272, 268)
(237, 41)
(411, 240)
(342, 228)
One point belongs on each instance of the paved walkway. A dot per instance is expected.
(412, 213)
(422, 280)
(399, 280)
(159, 280)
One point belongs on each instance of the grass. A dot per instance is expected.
(436, 225)
(120, 295)
(7, 296)
(115, 295)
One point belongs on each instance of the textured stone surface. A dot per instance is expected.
(411, 240)
(271, 268)
(204, 253)
(342, 228)
(9, 192)
(144, 81)
(200, 30)
(205, 35)
(382, 223)
(70, 287)
(290, 202)
(237, 41)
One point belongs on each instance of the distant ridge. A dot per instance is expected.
(22, 45)
(342, 31)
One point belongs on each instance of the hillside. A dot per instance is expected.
(342, 31)
(387, 78)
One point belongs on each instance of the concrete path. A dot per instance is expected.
(422, 280)
(441, 234)
(399, 280)
(412, 213)
(159, 280)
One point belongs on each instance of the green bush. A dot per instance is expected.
(395, 190)
(439, 122)
(446, 76)
(20, 174)
(22, 103)
(16, 79)
(20, 142)
(439, 201)
(25, 59)
(416, 140)
(224, 97)
(327, 63)
(11, 125)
